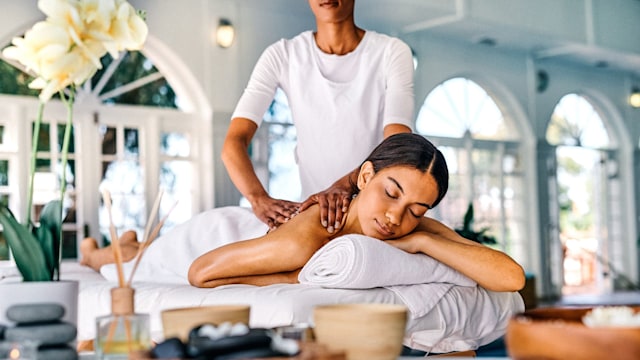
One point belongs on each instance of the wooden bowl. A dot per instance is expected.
(178, 322)
(363, 331)
(558, 333)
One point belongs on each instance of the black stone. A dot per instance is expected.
(206, 347)
(171, 348)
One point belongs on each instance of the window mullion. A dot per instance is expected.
(150, 158)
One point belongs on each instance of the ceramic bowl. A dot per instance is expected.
(557, 333)
(178, 322)
(362, 331)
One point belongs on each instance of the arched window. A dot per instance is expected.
(484, 155)
(575, 122)
(458, 106)
(131, 79)
(588, 194)
(129, 135)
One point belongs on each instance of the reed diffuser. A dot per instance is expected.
(125, 332)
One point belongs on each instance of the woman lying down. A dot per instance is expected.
(389, 238)
(403, 178)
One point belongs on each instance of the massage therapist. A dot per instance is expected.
(347, 88)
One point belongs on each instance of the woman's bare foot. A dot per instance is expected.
(128, 237)
(129, 245)
(95, 257)
(87, 247)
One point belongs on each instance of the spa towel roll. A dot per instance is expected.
(360, 262)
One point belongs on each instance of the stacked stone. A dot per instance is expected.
(42, 323)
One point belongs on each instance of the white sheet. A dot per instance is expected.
(361, 262)
(464, 318)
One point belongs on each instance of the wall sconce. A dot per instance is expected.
(225, 33)
(634, 98)
(542, 81)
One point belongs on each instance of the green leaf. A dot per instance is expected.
(49, 234)
(468, 218)
(26, 249)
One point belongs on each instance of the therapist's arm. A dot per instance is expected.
(235, 156)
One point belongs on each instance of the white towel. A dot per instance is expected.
(169, 257)
(361, 262)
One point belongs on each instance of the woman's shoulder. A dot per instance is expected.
(304, 228)
(307, 221)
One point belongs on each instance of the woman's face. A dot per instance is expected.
(392, 202)
(331, 11)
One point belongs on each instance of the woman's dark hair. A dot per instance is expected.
(415, 151)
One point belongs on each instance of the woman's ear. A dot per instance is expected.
(365, 174)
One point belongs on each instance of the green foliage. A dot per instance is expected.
(134, 66)
(14, 81)
(467, 231)
(36, 249)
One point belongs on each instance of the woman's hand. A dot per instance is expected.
(409, 243)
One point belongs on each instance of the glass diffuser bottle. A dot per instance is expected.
(123, 332)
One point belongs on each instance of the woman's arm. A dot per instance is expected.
(272, 258)
(491, 269)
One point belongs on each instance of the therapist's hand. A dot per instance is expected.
(274, 212)
(334, 203)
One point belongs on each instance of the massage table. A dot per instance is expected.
(443, 318)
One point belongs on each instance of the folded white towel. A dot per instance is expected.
(360, 262)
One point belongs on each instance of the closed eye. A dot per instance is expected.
(389, 194)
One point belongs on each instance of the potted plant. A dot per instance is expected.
(467, 231)
(62, 52)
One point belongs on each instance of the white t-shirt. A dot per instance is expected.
(340, 104)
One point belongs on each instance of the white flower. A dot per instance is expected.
(66, 48)
(115, 23)
(616, 316)
(70, 68)
(44, 42)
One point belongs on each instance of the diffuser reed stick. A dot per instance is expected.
(145, 244)
(124, 331)
(115, 240)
